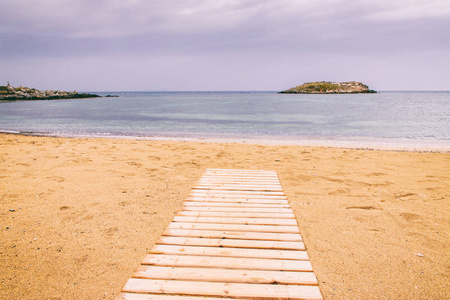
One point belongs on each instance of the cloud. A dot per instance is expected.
(269, 20)
(408, 10)
(252, 38)
(112, 18)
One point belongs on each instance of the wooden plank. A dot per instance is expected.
(240, 177)
(234, 204)
(245, 221)
(235, 194)
(247, 184)
(243, 193)
(266, 236)
(238, 194)
(226, 192)
(226, 275)
(235, 174)
(237, 171)
(236, 214)
(214, 242)
(229, 252)
(237, 209)
(243, 198)
(237, 188)
(261, 186)
(239, 180)
(253, 291)
(227, 262)
(241, 171)
(133, 296)
(235, 200)
(234, 227)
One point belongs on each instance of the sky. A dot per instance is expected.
(223, 45)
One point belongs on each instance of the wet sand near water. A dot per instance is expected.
(78, 215)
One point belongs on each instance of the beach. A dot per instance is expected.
(78, 215)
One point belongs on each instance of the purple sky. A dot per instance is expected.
(125, 45)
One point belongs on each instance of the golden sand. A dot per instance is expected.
(77, 216)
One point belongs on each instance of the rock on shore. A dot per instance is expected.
(326, 87)
(8, 92)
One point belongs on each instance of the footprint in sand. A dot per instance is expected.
(362, 207)
(154, 157)
(111, 231)
(56, 178)
(133, 163)
(22, 164)
(401, 196)
(375, 174)
(410, 216)
(339, 192)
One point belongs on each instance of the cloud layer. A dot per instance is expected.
(208, 45)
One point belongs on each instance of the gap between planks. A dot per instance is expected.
(193, 203)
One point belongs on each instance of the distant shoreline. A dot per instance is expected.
(11, 93)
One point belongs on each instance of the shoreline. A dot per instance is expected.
(362, 143)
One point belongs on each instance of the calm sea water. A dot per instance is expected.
(397, 118)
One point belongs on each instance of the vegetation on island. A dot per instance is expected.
(326, 87)
(8, 92)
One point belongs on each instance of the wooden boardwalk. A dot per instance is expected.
(236, 238)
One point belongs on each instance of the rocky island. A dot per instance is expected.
(8, 92)
(326, 87)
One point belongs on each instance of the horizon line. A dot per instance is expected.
(237, 91)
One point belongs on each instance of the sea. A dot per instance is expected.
(384, 119)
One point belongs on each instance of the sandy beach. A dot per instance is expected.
(77, 215)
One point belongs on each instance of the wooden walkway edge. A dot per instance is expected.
(236, 238)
